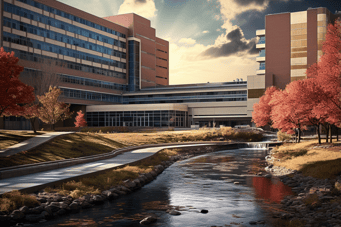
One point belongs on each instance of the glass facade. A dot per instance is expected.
(261, 40)
(89, 95)
(221, 96)
(262, 53)
(134, 65)
(262, 66)
(160, 118)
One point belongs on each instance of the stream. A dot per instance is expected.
(219, 182)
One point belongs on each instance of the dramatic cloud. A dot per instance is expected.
(237, 46)
(189, 41)
(144, 8)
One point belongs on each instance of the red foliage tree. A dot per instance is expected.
(80, 121)
(14, 94)
(262, 110)
(327, 73)
(51, 110)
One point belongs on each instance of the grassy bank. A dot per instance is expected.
(84, 144)
(10, 138)
(63, 147)
(313, 159)
(89, 185)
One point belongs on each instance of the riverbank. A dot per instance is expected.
(314, 178)
(70, 197)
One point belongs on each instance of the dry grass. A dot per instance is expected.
(63, 147)
(10, 138)
(319, 162)
(135, 139)
(111, 178)
(14, 200)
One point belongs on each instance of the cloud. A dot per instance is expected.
(144, 8)
(205, 32)
(187, 41)
(218, 30)
(217, 17)
(237, 46)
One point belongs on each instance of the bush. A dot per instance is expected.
(14, 200)
(283, 136)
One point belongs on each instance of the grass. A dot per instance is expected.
(63, 147)
(14, 200)
(111, 178)
(10, 138)
(319, 161)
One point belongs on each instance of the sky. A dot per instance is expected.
(209, 40)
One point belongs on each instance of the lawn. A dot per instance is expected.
(63, 147)
(313, 159)
(10, 138)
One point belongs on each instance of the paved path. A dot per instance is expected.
(38, 181)
(30, 143)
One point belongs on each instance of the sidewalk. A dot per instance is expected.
(30, 143)
(38, 181)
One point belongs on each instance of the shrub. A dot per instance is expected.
(14, 199)
(283, 136)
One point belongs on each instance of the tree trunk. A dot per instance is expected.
(318, 133)
(337, 133)
(32, 121)
(331, 133)
(299, 135)
(327, 130)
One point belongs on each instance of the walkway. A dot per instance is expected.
(30, 143)
(38, 181)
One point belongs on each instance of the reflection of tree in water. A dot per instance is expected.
(265, 188)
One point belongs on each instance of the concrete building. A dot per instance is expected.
(289, 44)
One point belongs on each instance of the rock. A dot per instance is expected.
(110, 195)
(74, 207)
(253, 223)
(45, 215)
(148, 220)
(153, 173)
(36, 210)
(42, 199)
(149, 177)
(61, 212)
(130, 184)
(24, 209)
(98, 199)
(86, 205)
(17, 215)
(33, 217)
(48, 210)
(57, 198)
(204, 211)
(174, 212)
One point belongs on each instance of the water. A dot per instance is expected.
(204, 182)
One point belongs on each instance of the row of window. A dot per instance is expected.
(61, 63)
(161, 66)
(71, 17)
(94, 96)
(60, 50)
(162, 51)
(161, 58)
(185, 101)
(93, 83)
(196, 95)
(60, 24)
(59, 37)
(262, 66)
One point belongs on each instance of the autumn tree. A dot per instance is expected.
(327, 73)
(80, 121)
(262, 110)
(41, 78)
(14, 94)
(51, 110)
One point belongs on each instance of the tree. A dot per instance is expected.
(80, 121)
(51, 110)
(327, 73)
(262, 110)
(14, 94)
(41, 78)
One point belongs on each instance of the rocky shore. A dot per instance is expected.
(316, 202)
(54, 205)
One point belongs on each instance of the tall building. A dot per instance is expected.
(289, 44)
(115, 69)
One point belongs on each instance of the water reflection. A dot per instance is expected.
(204, 182)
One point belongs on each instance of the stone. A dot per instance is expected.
(33, 217)
(174, 212)
(45, 215)
(110, 195)
(24, 209)
(74, 207)
(17, 215)
(148, 220)
(204, 211)
(153, 173)
(98, 199)
(130, 184)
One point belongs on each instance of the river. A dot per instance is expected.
(219, 182)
